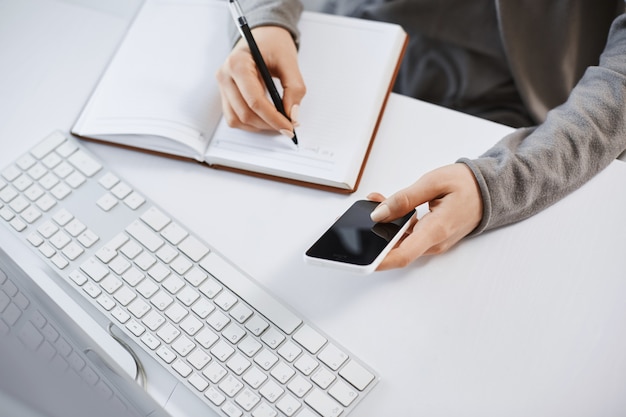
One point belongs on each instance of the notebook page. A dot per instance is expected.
(161, 81)
(347, 65)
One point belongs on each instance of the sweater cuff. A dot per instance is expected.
(484, 192)
(272, 15)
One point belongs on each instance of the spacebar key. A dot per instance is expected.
(250, 292)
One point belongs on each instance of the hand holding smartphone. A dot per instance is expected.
(355, 242)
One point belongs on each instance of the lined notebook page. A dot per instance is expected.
(161, 81)
(345, 89)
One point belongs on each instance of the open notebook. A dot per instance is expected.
(159, 94)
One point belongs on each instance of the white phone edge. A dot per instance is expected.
(361, 269)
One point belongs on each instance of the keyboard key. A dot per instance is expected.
(153, 320)
(198, 359)
(323, 404)
(150, 341)
(94, 269)
(356, 375)
(282, 372)
(193, 248)
(47, 145)
(289, 351)
(167, 355)
(108, 180)
(254, 377)
(145, 236)
(66, 149)
(288, 405)
(323, 378)
(271, 391)
(155, 218)
(299, 386)
(174, 233)
(7, 194)
(309, 338)
(25, 162)
(222, 351)
(214, 396)
(272, 338)
(51, 160)
(231, 410)
(343, 393)
(168, 333)
(332, 356)
(31, 215)
(121, 190)
(62, 217)
(134, 200)
(182, 368)
(240, 284)
(11, 173)
(107, 202)
(18, 224)
(75, 179)
(214, 372)
(247, 399)
(22, 182)
(238, 364)
(63, 170)
(198, 382)
(46, 202)
(84, 163)
(264, 410)
(230, 386)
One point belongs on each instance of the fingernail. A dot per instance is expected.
(380, 213)
(286, 132)
(295, 115)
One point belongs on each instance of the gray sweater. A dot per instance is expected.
(566, 62)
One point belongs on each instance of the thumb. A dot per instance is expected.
(405, 200)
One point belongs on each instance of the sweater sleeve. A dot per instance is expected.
(283, 13)
(533, 168)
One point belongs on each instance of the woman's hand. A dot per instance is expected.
(455, 204)
(245, 103)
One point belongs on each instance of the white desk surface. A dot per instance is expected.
(528, 320)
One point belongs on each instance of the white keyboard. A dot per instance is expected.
(240, 350)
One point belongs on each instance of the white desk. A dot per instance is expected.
(528, 320)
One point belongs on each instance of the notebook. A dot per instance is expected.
(159, 94)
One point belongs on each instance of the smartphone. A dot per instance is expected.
(355, 242)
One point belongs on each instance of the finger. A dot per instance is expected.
(427, 237)
(244, 91)
(235, 109)
(375, 197)
(231, 99)
(430, 187)
(294, 90)
(405, 200)
(256, 106)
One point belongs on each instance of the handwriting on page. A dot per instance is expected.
(278, 149)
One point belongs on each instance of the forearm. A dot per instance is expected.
(283, 13)
(532, 168)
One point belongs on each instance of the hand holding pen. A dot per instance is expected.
(244, 87)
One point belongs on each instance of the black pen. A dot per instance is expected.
(242, 23)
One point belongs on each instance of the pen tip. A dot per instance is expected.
(295, 138)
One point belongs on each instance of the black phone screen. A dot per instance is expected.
(354, 238)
